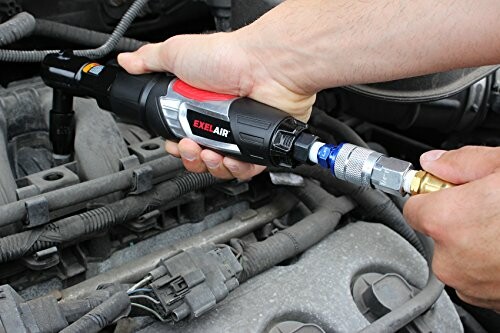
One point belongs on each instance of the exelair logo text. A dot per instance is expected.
(210, 128)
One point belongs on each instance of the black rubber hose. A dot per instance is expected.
(409, 311)
(102, 316)
(7, 180)
(38, 55)
(75, 309)
(18, 27)
(376, 205)
(338, 129)
(66, 197)
(468, 321)
(78, 226)
(82, 36)
(285, 244)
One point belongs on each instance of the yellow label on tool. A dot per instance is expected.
(93, 68)
(89, 66)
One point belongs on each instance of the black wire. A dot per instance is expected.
(37, 55)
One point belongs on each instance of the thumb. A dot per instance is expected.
(463, 165)
(149, 58)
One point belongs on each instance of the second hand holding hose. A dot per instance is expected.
(240, 127)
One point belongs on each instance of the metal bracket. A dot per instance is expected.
(37, 212)
(142, 180)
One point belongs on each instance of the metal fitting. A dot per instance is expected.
(327, 154)
(302, 145)
(366, 167)
(355, 164)
(424, 182)
(389, 174)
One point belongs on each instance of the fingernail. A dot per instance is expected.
(232, 167)
(188, 156)
(211, 164)
(432, 155)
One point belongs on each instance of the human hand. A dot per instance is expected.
(225, 63)
(464, 222)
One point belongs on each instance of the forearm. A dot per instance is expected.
(318, 44)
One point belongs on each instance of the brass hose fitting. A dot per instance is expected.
(424, 182)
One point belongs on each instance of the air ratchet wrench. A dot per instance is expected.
(240, 127)
(163, 104)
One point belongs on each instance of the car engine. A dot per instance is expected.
(116, 236)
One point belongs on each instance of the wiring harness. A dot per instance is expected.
(99, 52)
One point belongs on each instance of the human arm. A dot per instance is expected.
(303, 46)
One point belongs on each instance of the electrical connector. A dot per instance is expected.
(192, 282)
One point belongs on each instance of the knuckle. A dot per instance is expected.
(241, 172)
(487, 154)
(223, 173)
(195, 167)
(468, 150)
(245, 172)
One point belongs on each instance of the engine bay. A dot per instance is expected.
(117, 236)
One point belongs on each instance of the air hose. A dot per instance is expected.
(38, 55)
(337, 128)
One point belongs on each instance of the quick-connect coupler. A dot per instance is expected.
(366, 167)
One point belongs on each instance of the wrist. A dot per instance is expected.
(268, 78)
(294, 44)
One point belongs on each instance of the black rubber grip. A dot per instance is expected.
(255, 127)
